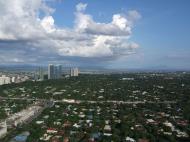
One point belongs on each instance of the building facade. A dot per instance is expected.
(74, 72)
(54, 71)
(5, 80)
(41, 73)
(51, 71)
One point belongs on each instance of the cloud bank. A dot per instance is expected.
(29, 34)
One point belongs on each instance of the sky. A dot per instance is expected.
(115, 34)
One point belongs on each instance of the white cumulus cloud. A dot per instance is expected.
(22, 24)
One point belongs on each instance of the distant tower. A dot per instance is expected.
(51, 71)
(36, 75)
(41, 73)
(58, 71)
(74, 72)
(54, 71)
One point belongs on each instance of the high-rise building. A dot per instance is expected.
(74, 72)
(36, 76)
(58, 73)
(51, 71)
(41, 73)
(54, 72)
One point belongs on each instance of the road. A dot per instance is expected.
(90, 101)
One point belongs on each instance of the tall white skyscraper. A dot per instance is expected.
(74, 72)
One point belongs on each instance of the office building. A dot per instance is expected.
(74, 72)
(54, 71)
(58, 71)
(41, 73)
(51, 71)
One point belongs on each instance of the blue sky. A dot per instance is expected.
(115, 34)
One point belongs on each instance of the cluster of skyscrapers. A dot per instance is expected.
(54, 72)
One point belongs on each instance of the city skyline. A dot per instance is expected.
(124, 34)
(94, 71)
